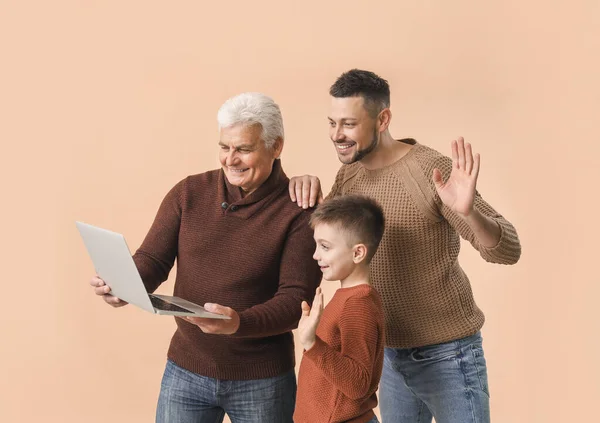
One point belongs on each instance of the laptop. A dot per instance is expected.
(113, 263)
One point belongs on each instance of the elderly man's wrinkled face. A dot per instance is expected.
(246, 161)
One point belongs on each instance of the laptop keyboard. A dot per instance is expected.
(161, 304)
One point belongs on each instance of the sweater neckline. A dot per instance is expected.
(385, 169)
(230, 197)
(275, 179)
(362, 286)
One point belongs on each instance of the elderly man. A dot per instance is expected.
(245, 251)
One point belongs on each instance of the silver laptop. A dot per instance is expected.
(113, 262)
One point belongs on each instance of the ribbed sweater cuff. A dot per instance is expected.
(508, 248)
(317, 351)
(246, 325)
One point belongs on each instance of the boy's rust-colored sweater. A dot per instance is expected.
(340, 374)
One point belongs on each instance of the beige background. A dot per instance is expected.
(104, 105)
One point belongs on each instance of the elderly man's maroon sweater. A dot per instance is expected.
(251, 253)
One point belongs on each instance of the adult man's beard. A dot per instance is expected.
(361, 154)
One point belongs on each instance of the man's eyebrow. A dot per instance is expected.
(248, 146)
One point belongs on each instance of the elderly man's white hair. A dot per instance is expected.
(252, 109)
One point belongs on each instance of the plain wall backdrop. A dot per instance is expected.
(105, 105)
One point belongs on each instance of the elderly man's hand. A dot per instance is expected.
(217, 326)
(100, 288)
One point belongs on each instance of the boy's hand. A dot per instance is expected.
(310, 320)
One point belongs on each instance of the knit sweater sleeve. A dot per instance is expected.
(344, 178)
(336, 188)
(508, 248)
(299, 277)
(350, 370)
(156, 256)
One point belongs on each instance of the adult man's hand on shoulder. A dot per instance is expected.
(306, 191)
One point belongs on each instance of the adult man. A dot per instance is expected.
(434, 363)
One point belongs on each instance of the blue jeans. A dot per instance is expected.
(446, 381)
(187, 397)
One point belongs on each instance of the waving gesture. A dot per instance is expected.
(458, 192)
(309, 321)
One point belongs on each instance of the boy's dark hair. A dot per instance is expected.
(359, 216)
(371, 87)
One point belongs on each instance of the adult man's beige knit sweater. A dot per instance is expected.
(427, 297)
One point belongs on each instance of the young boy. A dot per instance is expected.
(344, 343)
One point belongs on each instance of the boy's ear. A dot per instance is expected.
(359, 253)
